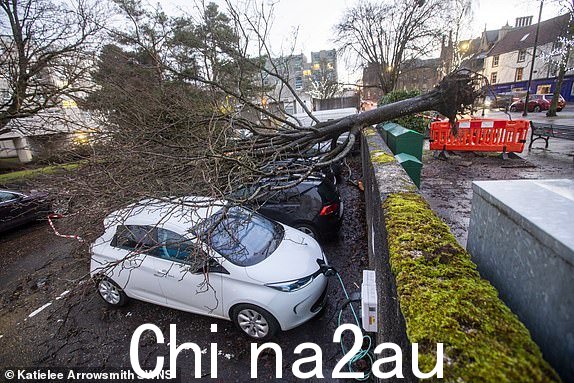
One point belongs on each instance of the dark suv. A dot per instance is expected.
(314, 207)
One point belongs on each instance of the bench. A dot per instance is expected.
(545, 131)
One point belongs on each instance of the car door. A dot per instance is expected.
(190, 280)
(135, 246)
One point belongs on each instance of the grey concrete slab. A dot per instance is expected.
(521, 236)
(545, 208)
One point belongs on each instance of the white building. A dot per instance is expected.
(507, 65)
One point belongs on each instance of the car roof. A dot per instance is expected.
(185, 211)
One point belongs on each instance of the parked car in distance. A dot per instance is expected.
(17, 208)
(314, 206)
(537, 103)
(264, 276)
(501, 101)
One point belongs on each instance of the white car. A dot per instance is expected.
(228, 263)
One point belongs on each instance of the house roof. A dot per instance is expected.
(491, 36)
(522, 38)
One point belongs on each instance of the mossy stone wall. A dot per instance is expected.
(432, 291)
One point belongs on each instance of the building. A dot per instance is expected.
(507, 64)
(323, 66)
(371, 90)
(415, 74)
(304, 77)
(420, 75)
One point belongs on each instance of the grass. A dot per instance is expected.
(22, 175)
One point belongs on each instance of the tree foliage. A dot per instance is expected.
(414, 122)
(45, 53)
(174, 100)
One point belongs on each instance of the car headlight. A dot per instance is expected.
(291, 286)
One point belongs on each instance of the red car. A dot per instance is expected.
(537, 103)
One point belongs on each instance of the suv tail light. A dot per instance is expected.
(330, 209)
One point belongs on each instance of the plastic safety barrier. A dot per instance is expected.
(480, 135)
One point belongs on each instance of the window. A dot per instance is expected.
(243, 237)
(176, 247)
(495, 60)
(543, 89)
(136, 237)
(298, 83)
(5, 196)
(556, 45)
(521, 55)
(518, 74)
(493, 77)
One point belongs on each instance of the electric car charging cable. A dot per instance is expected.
(365, 352)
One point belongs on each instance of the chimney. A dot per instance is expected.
(523, 21)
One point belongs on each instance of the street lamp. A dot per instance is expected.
(525, 113)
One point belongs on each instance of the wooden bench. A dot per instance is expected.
(546, 130)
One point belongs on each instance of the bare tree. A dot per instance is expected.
(391, 32)
(563, 51)
(169, 128)
(322, 81)
(46, 48)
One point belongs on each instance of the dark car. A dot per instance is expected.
(538, 103)
(313, 207)
(303, 165)
(18, 208)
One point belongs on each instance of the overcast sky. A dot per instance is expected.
(315, 20)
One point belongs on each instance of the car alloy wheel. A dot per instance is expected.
(111, 293)
(255, 322)
(307, 230)
(513, 109)
(536, 109)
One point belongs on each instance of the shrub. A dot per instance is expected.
(413, 122)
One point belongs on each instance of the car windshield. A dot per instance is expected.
(243, 237)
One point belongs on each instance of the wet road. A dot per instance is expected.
(78, 330)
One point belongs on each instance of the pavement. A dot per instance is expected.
(447, 185)
(565, 117)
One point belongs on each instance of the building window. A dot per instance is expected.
(521, 55)
(493, 76)
(556, 45)
(518, 74)
(495, 60)
(298, 83)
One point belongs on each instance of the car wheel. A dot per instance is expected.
(111, 293)
(307, 229)
(559, 109)
(254, 321)
(513, 108)
(536, 109)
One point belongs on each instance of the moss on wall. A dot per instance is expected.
(380, 157)
(444, 300)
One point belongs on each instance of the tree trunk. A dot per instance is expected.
(554, 104)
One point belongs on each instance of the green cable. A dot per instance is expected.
(364, 352)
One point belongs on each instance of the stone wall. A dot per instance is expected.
(430, 291)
